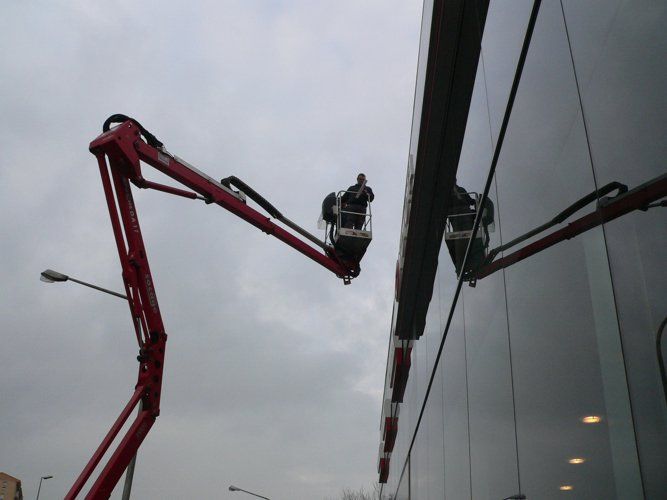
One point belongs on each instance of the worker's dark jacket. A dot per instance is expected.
(361, 201)
(463, 206)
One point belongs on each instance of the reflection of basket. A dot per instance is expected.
(458, 230)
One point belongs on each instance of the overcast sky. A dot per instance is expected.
(274, 370)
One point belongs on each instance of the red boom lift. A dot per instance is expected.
(126, 146)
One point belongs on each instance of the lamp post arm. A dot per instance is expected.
(251, 493)
(110, 292)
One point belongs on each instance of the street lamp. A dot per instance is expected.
(40, 484)
(51, 276)
(236, 488)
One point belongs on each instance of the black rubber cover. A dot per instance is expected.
(327, 208)
(118, 118)
(252, 194)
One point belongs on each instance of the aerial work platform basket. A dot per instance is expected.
(349, 227)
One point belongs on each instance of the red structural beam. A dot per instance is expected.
(104, 446)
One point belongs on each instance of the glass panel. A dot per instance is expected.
(494, 471)
(390, 487)
(425, 448)
(418, 466)
(476, 152)
(472, 173)
(412, 396)
(565, 346)
(403, 492)
(457, 451)
(427, 15)
(426, 347)
(433, 427)
(619, 52)
(501, 45)
(493, 454)
(446, 284)
(636, 245)
(405, 429)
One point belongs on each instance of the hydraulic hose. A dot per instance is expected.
(119, 118)
(273, 211)
(252, 194)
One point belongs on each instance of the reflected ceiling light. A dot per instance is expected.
(566, 487)
(577, 460)
(591, 419)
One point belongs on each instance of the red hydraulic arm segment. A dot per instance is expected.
(125, 149)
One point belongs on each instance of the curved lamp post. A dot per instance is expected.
(40, 484)
(236, 488)
(51, 276)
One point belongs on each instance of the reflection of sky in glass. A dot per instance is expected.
(404, 488)
(565, 350)
(619, 50)
(421, 71)
(534, 393)
(457, 461)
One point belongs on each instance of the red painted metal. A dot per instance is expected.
(383, 467)
(104, 446)
(169, 189)
(401, 371)
(124, 149)
(390, 431)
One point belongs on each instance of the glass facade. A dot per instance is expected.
(548, 384)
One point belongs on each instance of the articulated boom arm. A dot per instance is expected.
(125, 149)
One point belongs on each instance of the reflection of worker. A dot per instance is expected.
(461, 216)
(356, 200)
(463, 208)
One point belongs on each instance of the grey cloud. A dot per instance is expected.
(274, 369)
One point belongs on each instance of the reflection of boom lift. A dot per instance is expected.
(125, 150)
(642, 197)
